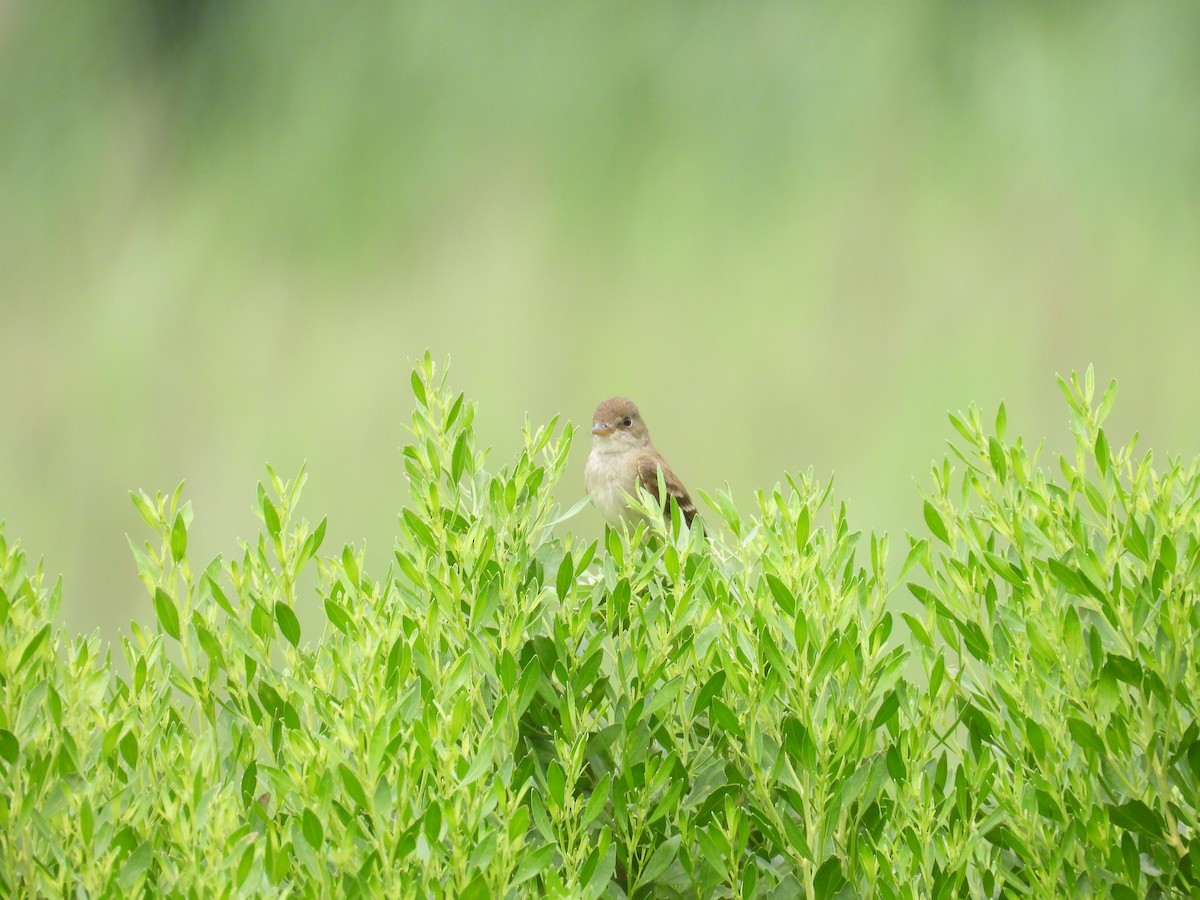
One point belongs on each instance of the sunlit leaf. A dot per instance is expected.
(937, 526)
(165, 610)
(289, 625)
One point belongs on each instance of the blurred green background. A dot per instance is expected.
(795, 233)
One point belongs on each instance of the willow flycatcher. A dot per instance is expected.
(622, 458)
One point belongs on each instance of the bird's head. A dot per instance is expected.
(617, 426)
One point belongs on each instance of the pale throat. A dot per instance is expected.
(608, 446)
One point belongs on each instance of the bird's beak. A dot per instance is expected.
(603, 428)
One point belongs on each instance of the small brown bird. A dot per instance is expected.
(623, 457)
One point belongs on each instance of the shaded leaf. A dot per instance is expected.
(10, 747)
(1085, 735)
(662, 857)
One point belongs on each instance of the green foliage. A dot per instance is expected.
(508, 711)
(1066, 605)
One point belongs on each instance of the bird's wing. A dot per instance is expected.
(648, 468)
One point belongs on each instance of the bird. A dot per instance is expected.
(623, 457)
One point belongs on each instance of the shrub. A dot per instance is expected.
(721, 711)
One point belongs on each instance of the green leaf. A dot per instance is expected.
(10, 747)
(270, 517)
(479, 765)
(782, 595)
(1073, 634)
(249, 786)
(829, 878)
(1101, 451)
(1037, 737)
(350, 565)
(978, 724)
(87, 821)
(566, 576)
(353, 787)
(895, 765)
(1005, 569)
(726, 719)
(431, 822)
(245, 864)
(313, 542)
(1135, 815)
(540, 819)
(289, 625)
(585, 677)
(664, 696)
(148, 571)
(136, 865)
(168, 615)
(916, 627)
(1106, 402)
(1124, 668)
(337, 616)
(600, 879)
(1001, 421)
(886, 710)
(1039, 644)
(827, 660)
(923, 594)
(419, 530)
(530, 676)
(1166, 553)
(210, 583)
(799, 744)
(418, 389)
(803, 529)
(178, 539)
(997, 459)
(662, 857)
(532, 864)
(410, 568)
(1135, 541)
(1067, 392)
(1073, 581)
(709, 690)
(961, 427)
(33, 645)
(477, 888)
(209, 643)
(518, 824)
(507, 670)
(145, 509)
(1085, 736)
(460, 458)
(455, 409)
(597, 800)
(555, 784)
(936, 526)
(936, 673)
(800, 630)
(313, 832)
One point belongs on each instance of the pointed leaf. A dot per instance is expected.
(168, 615)
(289, 625)
(936, 526)
(662, 857)
(178, 539)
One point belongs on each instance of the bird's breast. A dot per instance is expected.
(605, 478)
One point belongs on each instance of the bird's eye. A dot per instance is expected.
(627, 421)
